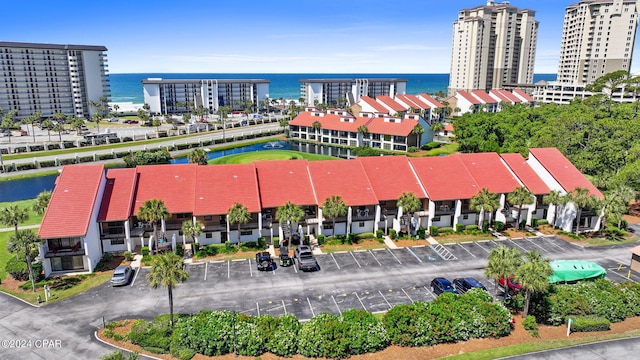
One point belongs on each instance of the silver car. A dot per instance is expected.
(121, 275)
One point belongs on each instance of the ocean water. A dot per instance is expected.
(128, 87)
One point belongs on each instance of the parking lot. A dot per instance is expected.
(373, 280)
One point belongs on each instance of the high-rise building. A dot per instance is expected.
(338, 92)
(52, 78)
(170, 96)
(597, 38)
(493, 46)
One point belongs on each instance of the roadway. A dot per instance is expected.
(372, 280)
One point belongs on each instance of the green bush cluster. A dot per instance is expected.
(19, 270)
(445, 230)
(393, 234)
(321, 239)
(152, 336)
(128, 256)
(531, 325)
(144, 250)
(47, 163)
(431, 145)
(601, 297)
(433, 230)
(589, 323)
(498, 225)
(379, 234)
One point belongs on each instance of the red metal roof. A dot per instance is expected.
(523, 95)
(510, 96)
(525, 173)
(389, 102)
(407, 103)
(484, 97)
(118, 193)
(562, 170)
(72, 202)
(469, 98)
(284, 180)
(374, 104)
(445, 177)
(388, 187)
(307, 118)
(489, 172)
(448, 127)
(218, 187)
(173, 184)
(421, 104)
(401, 127)
(431, 100)
(500, 95)
(344, 178)
(331, 121)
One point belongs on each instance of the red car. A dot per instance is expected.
(513, 287)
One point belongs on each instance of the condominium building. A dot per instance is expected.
(339, 92)
(52, 78)
(493, 45)
(169, 96)
(597, 39)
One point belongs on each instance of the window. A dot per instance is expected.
(208, 217)
(465, 217)
(246, 232)
(117, 242)
(436, 218)
(208, 235)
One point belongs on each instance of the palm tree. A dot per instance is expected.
(556, 198)
(238, 214)
(580, 198)
(533, 276)
(31, 120)
(223, 111)
(59, 116)
(482, 202)
(334, 207)
(167, 270)
(617, 202)
(436, 127)
(13, 215)
(8, 121)
(289, 213)
(520, 197)
(192, 229)
(197, 156)
(503, 262)
(77, 124)
(153, 211)
(284, 123)
(317, 125)
(417, 130)
(59, 128)
(48, 124)
(409, 203)
(41, 202)
(23, 243)
(364, 130)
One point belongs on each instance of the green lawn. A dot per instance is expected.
(4, 254)
(57, 295)
(27, 176)
(447, 149)
(245, 158)
(33, 217)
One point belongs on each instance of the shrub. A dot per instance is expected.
(433, 230)
(459, 228)
(589, 323)
(85, 159)
(485, 226)
(262, 242)
(179, 249)
(279, 333)
(144, 250)
(445, 230)
(379, 234)
(412, 149)
(421, 233)
(531, 325)
(146, 260)
(25, 166)
(152, 336)
(47, 163)
(105, 156)
(393, 234)
(498, 225)
(128, 256)
(431, 145)
(320, 238)
(472, 227)
(17, 269)
(207, 332)
(534, 222)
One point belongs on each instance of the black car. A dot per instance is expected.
(264, 261)
(441, 285)
(463, 285)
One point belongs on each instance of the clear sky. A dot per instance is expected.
(261, 36)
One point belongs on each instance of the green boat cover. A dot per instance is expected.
(567, 271)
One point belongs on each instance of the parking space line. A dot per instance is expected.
(334, 260)
(311, 307)
(258, 308)
(135, 276)
(338, 307)
(392, 254)
(407, 295)
(250, 270)
(481, 247)
(228, 269)
(543, 249)
(612, 271)
(465, 249)
(385, 299)
(284, 307)
(516, 244)
(354, 258)
(429, 291)
(361, 303)
(416, 256)
(556, 245)
(370, 252)
(206, 266)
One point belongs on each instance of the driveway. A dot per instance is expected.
(373, 280)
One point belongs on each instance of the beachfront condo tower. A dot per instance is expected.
(337, 92)
(494, 46)
(597, 39)
(52, 78)
(174, 96)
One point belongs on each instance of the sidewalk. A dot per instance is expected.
(36, 226)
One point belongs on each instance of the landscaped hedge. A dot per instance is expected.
(449, 318)
(589, 323)
(25, 166)
(47, 163)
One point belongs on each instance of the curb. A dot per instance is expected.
(19, 299)
(95, 334)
